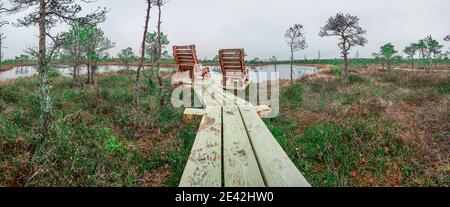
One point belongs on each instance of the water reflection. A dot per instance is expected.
(260, 74)
(29, 71)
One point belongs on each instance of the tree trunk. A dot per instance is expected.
(94, 68)
(435, 63)
(74, 75)
(346, 66)
(158, 58)
(150, 77)
(76, 69)
(389, 65)
(141, 62)
(430, 63)
(88, 67)
(292, 67)
(1, 42)
(45, 100)
(412, 63)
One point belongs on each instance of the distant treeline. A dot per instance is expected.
(257, 61)
(363, 61)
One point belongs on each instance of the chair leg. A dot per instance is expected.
(192, 76)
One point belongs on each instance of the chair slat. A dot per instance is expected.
(232, 60)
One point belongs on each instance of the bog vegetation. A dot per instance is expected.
(377, 121)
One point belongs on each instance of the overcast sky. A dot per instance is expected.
(259, 25)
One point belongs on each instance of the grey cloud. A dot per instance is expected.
(259, 25)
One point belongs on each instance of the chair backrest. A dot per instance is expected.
(185, 55)
(232, 60)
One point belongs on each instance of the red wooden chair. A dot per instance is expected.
(187, 61)
(233, 67)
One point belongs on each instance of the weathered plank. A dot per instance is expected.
(251, 155)
(275, 165)
(204, 166)
(204, 95)
(262, 110)
(191, 113)
(236, 101)
(218, 96)
(240, 165)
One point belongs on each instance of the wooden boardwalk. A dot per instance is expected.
(233, 147)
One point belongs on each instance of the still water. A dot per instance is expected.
(263, 73)
(257, 73)
(29, 71)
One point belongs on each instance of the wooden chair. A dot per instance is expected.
(187, 61)
(233, 67)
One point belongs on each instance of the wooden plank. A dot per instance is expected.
(184, 52)
(182, 47)
(240, 165)
(204, 166)
(235, 99)
(218, 97)
(231, 67)
(234, 70)
(276, 167)
(204, 96)
(191, 113)
(230, 99)
(185, 56)
(232, 63)
(232, 55)
(227, 60)
(233, 51)
(263, 110)
(186, 61)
